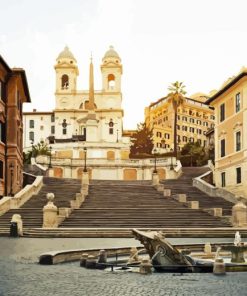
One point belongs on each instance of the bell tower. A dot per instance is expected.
(111, 70)
(66, 72)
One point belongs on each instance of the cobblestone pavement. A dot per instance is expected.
(21, 275)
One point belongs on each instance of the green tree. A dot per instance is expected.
(193, 154)
(39, 149)
(142, 142)
(176, 97)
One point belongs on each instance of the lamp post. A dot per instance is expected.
(50, 166)
(85, 159)
(171, 166)
(11, 167)
(154, 153)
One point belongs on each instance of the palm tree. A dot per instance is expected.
(176, 97)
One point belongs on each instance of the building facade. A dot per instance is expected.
(13, 93)
(194, 118)
(87, 124)
(231, 134)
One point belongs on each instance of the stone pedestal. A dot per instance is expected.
(84, 190)
(145, 267)
(160, 187)
(182, 197)
(167, 192)
(91, 262)
(219, 267)
(239, 215)
(155, 179)
(50, 216)
(85, 178)
(17, 219)
(83, 259)
(102, 258)
(207, 249)
(194, 204)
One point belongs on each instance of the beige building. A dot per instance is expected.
(231, 134)
(193, 121)
(85, 131)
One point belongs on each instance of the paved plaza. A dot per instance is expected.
(20, 274)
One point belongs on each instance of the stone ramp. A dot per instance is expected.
(31, 212)
(134, 204)
(184, 185)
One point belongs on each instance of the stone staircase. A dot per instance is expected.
(135, 204)
(31, 212)
(184, 185)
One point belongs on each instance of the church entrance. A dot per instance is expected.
(130, 174)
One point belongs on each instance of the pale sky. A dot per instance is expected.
(199, 42)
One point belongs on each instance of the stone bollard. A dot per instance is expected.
(155, 179)
(50, 216)
(239, 214)
(219, 267)
(85, 178)
(145, 267)
(217, 212)
(84, 190)
(159, 187)
(16, 220)
(167, 193)
(208, 249)
(182, 197)
(194, 204)
(102, 258)
(91, 262)
(83, 259)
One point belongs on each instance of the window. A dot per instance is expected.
(167, 136)
(41, 127)
(222, 112)
(238, 141)
(178, 117)
(111, 124)
(199, 131)
(64, 126)
(237, 102)
(205, 123)
(52, 129)
(199, 122)
(192, 120)
(223, 148)
(192, 130)
(111, 81)
(184, 139)
(212, 117)
(1, 169)
(2, 132)
(158, 134)
(65, 81)
(178, 127)
(31, 123)
(184, 118)
(31, 136)
(52, 118)
(223, 179)
(238, 175)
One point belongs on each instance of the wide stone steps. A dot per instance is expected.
(184, 185)
(31, 212)
(131, 204)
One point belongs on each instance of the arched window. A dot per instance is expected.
(65, 81)
(111, 124)
(64, 126)
(111, 81)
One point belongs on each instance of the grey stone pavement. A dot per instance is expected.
(20, 273)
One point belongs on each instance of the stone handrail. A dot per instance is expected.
(14, 202)
(212, 190)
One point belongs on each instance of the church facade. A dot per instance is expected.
(86, 127)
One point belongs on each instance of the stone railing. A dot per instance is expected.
(14, 202)
(149, 162)
(211, 190)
